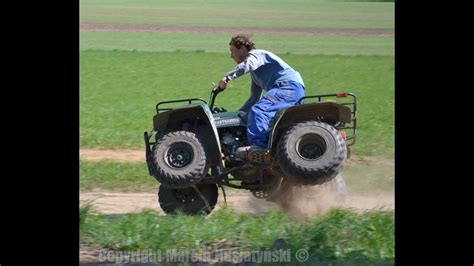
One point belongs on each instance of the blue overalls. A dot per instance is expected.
(281, 95)
(283, 85)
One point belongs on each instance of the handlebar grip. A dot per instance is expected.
(217, 89)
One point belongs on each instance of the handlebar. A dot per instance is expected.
(216, 90)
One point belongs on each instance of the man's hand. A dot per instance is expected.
(223, 83)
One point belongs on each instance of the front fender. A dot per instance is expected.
(197, 116)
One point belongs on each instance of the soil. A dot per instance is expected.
(248, 30)
(119, 156)
(108, 202)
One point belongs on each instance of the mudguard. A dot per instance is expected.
(329, 112)
(199, 117)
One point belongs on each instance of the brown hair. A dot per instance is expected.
(242, 39)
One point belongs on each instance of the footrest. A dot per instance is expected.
(259, 156)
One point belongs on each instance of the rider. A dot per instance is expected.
(283, 85)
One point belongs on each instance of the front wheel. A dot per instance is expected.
(179, 159)
(188, 200)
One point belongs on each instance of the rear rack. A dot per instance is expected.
(350, 140)
(176, 101)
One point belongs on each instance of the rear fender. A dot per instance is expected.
(329, 112)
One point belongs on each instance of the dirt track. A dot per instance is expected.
(241, 201)
(119, 156)
(198, 29)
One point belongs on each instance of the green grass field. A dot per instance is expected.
(124, 74)
(216, 42)
(112, 176)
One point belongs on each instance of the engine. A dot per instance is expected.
(231, 139)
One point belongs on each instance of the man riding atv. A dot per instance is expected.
(272, 144)
(283, 85)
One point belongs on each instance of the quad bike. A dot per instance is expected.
(193, 151)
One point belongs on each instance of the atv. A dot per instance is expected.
(193, 150)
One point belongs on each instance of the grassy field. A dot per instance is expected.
(216, 42)
(119, 90)
(112, 176)
(342, 236)
(247, 13)
(124, 74)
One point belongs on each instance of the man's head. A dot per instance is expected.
(240, 45)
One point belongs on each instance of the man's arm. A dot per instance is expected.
(250, 63)
(255, 93)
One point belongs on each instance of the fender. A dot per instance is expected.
(197, 116)
(329, 112)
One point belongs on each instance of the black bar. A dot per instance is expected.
(148, 153)
(177, 101)
(352, 137)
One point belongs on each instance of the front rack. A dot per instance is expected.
(177, 101)
(350, 140)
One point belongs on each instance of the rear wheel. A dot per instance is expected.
(188, 200)
(311, 153)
